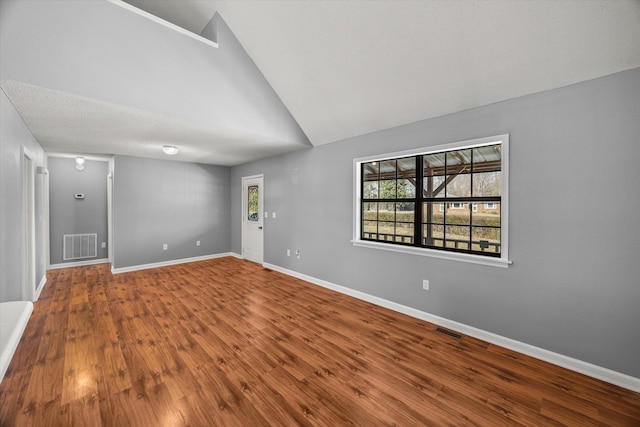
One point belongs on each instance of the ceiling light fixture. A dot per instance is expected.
(79, 163)
(170, 149)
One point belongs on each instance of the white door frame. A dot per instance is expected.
(28, 226)
(110, 217)
(243, 210)
(47, 221)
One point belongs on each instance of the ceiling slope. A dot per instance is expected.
(346, 68)
(93, 77)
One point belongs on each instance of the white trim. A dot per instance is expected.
(47, 222)
(164, 23)
(594, 371)
(28, 225)
(470, 143)
(41, 285)
(503, 261)
(78, 263)
(168, 263)
(14, 317)
(434, 253)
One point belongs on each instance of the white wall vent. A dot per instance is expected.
(79, 246)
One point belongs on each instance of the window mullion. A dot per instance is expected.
(417, 217)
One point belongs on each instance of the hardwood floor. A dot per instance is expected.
(226, 342)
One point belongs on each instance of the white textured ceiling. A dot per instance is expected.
(74, 124)
(345, 68)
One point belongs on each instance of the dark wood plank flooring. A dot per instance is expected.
(226, 342)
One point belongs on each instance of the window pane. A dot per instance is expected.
(432, 186)
(457, 237)
(388, 189)
(432, 235)
(404, 229)
(405, 212)
(486, 239)
(386, 227)
(487, 158)
(459, 185)
(252, 203)
(406, 167)
(487, 184)
(458, 159)
(458, 214)
(370, 190)
(406, 189)
(431, 213)
(370, 171)
(388, 169)
(433, 164)
(386, 211)
(487, 216)
(370, 227)
(370, 211)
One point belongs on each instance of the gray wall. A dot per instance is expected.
(574, 232)
(13, 135)
(177, 203)
(69, 215)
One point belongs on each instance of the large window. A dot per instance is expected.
(450, 199)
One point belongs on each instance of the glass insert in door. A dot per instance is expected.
(252, 203)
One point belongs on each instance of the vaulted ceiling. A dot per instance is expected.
(340, 68)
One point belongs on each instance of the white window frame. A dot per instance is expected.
(502, 261)
(491, 205)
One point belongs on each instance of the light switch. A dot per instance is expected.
(273, 214)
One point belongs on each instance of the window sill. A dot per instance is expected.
(452, 256)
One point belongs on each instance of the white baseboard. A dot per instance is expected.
(594, 371)
(40, 287)
(14, 317)
(78, 263)
(168, 263)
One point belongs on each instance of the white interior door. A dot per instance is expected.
(252, 218)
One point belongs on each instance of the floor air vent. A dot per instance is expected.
(449, 333)
(80, 246)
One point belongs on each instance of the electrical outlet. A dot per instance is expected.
(288, 252)
(298, 254)
(197, 242)
(273, 214)
(425, 285)
(165, 247)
